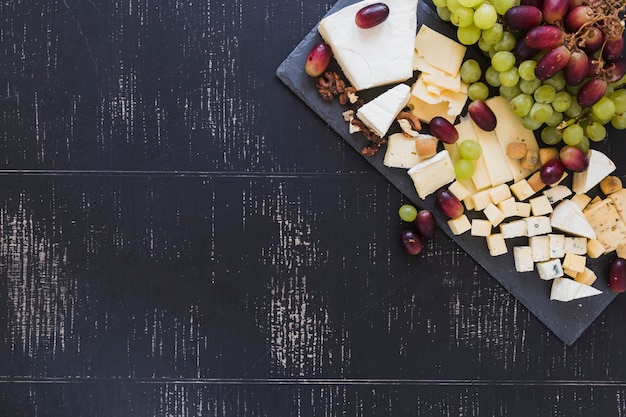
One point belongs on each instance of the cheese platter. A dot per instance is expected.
(499, 188)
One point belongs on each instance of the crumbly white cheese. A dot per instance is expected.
(379, 113)
(600, 166)
(376, 56)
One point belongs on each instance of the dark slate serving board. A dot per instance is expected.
(565, 320)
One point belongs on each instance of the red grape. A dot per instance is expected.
(482, 115)
(578, 17)
(523, 51)
(577, 67)
(523, 17)
(617, 275)
(545, 37)
(591, 92)
(554, 10)
(372, 15)
(552, 62)
(595, 67)
(592, 40)
(318, 59)
(552, 171)
(613, 49)
(449, 204)
(411, 242)
(573, 158)
(615, 71)
(443, 130)
(425, 223)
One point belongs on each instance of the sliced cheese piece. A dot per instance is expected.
(401, 152)
(456, 101)
(509, 129)
(365, 55)
(379, 113)
(421, 91)
(557, 193)
(566, 289)
(438, 50)
(431, 174)
(481, 179)
(606, 223)
(425, 111)
(599, 167)
(619, 200)
(439, 80)
(497, 166)
(569, 218)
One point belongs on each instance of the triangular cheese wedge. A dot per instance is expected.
(599, 167)
(569, 218)
(377, 56)
(566, 289)
(380, 113)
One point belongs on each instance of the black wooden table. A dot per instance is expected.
(181, 236)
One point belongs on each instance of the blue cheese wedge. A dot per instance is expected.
(377, 56)
(380, 113)
(569, 218)
(599, 167)
(433, 173)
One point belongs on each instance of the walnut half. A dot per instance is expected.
(409, 123)
(329, 85)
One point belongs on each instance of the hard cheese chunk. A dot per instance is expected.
(376, 56)
(433, 173)
(497, 166)
(606, 223)
(401, 152)
(599, 167)
(379, 113)
(465, 127)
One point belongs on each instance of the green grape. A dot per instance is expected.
(583, 145)
(574, 109)
(507, 43)
(485, 16)
(555, 119)
(503, 5)
(573, 134)
(468, 35)
(509, 92)
(509, 78)
(470, 71)
(462, 17)
(544, 94)
(452, 5)
(619, 121)
(527, 70)
(520, 105)
(484, 46)
(493, 34)
(557, 81)
(550, 135)
(619, 100)
(464, 169)
(562, 101)
(478, 91)
(596, 132)
(529, 123)
(470, 149)
(492, 77)
(603, 109)
(503, 61)
(540, 112)
(529, 86)
(407, 212)
(609, 90)
(574, 89)
(443, 13)
(471, 3)
(440, 3)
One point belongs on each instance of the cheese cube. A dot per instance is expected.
(586, 277)
(481, 227)
(573, 262)
(581, 200)
(508, 207)
(480, 200)
(575, 245)
(540, 205)
(499, 193)
(557, 245)
(459, 190)
(380, 113)
(401, 152)
(557, 193)
(535, 182)
(493, 214)
(431, 174)
(523, 257)
(599, 167)
(570, 273)
(522, 190)
(523, 209)
(459, 225)
(496, 244)
(550, 269)
(513, 229)
(594, 248)
(607, 224)
(541, 247)
(538, 225)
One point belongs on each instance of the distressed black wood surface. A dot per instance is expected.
(181, 236)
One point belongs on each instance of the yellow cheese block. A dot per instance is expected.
(438, 50)
(606, 223)
(496, 160)
(425, 111)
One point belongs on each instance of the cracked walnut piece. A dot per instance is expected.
(409, 123)
(330, 85)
